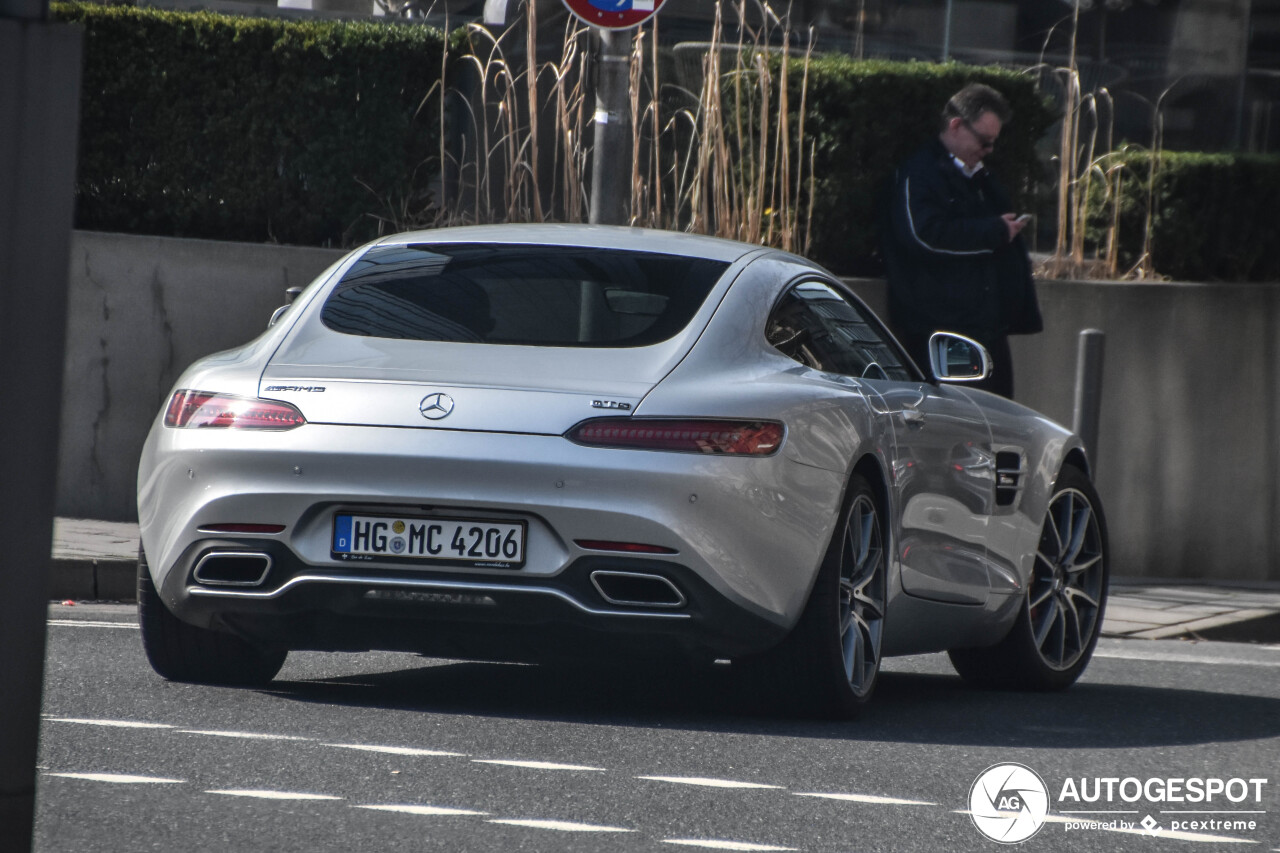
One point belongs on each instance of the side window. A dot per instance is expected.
(818, 326)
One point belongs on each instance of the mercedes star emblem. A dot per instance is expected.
(436, 406)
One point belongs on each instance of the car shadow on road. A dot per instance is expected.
(907, 707)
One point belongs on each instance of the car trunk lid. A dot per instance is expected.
(440, 385)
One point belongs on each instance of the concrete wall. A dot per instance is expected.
(1189, 467)
(139, 310)
(1188, 457)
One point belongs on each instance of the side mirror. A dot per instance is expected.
(955, 358)
(290, 294)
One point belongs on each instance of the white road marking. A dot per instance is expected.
(273, 795)
(423, 810)
(707, 783)
(1172, 657)
(562, 826)
(247, 735)
(722, 845)
(123, 724)
(78, 623)
(868, 798)
(397, 750)
(534, 765)
(119, 778)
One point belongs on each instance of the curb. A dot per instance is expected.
(86, 579)
(96, 561)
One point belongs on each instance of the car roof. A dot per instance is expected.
(595, 236)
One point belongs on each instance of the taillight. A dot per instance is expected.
(246, 527)
(191, 409)
(742, 438)
(623, 547)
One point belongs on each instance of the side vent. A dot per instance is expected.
(1010, 472)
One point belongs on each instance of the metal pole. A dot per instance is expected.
(611, 155)
(1090, 351)
(1238, 142)
(39, 115)
(946, 33)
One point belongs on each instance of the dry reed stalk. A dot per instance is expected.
(780, 200)
(635, 69)
(702, 172)
(707, 118)
(531, 87)
(804, 100)
(1081, 184)
(1142, 267)
(654, 111)
(1067, 146)
(566, 161)
(755, 212)
(744, 176)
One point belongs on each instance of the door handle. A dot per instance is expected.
(912, 415)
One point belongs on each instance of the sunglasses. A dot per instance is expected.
(988, 143)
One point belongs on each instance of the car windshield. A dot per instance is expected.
(563, 296)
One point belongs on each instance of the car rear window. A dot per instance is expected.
(562, 296)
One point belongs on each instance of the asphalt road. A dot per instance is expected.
(384, 752)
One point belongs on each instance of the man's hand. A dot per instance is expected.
(1014, 224)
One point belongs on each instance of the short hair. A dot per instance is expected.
(972, 101)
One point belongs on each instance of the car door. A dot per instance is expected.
(943, 467)
(944, 474)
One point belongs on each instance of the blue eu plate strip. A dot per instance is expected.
(342, 534)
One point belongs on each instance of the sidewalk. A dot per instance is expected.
(97, 561)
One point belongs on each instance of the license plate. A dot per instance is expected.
(469, 541)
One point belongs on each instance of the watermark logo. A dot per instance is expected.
(1008, 803)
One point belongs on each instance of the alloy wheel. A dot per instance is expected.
(862, 595)
(1066, 590)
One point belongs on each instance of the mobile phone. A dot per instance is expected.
(1023, 219)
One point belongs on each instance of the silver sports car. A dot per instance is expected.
(519, 442)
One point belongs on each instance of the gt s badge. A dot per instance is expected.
(610, 404)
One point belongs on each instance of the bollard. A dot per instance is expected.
(1088, 405)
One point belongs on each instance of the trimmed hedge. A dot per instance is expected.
(1212, 217)
(232, 128)
(266, 130)
(869, 116)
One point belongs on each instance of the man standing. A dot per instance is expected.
(954, 257)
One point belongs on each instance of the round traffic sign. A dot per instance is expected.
(614, 14)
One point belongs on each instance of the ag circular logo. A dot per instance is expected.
(1008, 803)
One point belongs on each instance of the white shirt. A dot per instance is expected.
(968, 173)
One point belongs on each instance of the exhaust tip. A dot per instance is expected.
(633, 589)
(232, 568)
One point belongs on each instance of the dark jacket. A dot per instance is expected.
(948, 259)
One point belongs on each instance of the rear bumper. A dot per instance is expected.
(749, 532)
(451, 614)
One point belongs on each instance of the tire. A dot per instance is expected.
(1058, 624)
(828, 665)
(182, 652)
